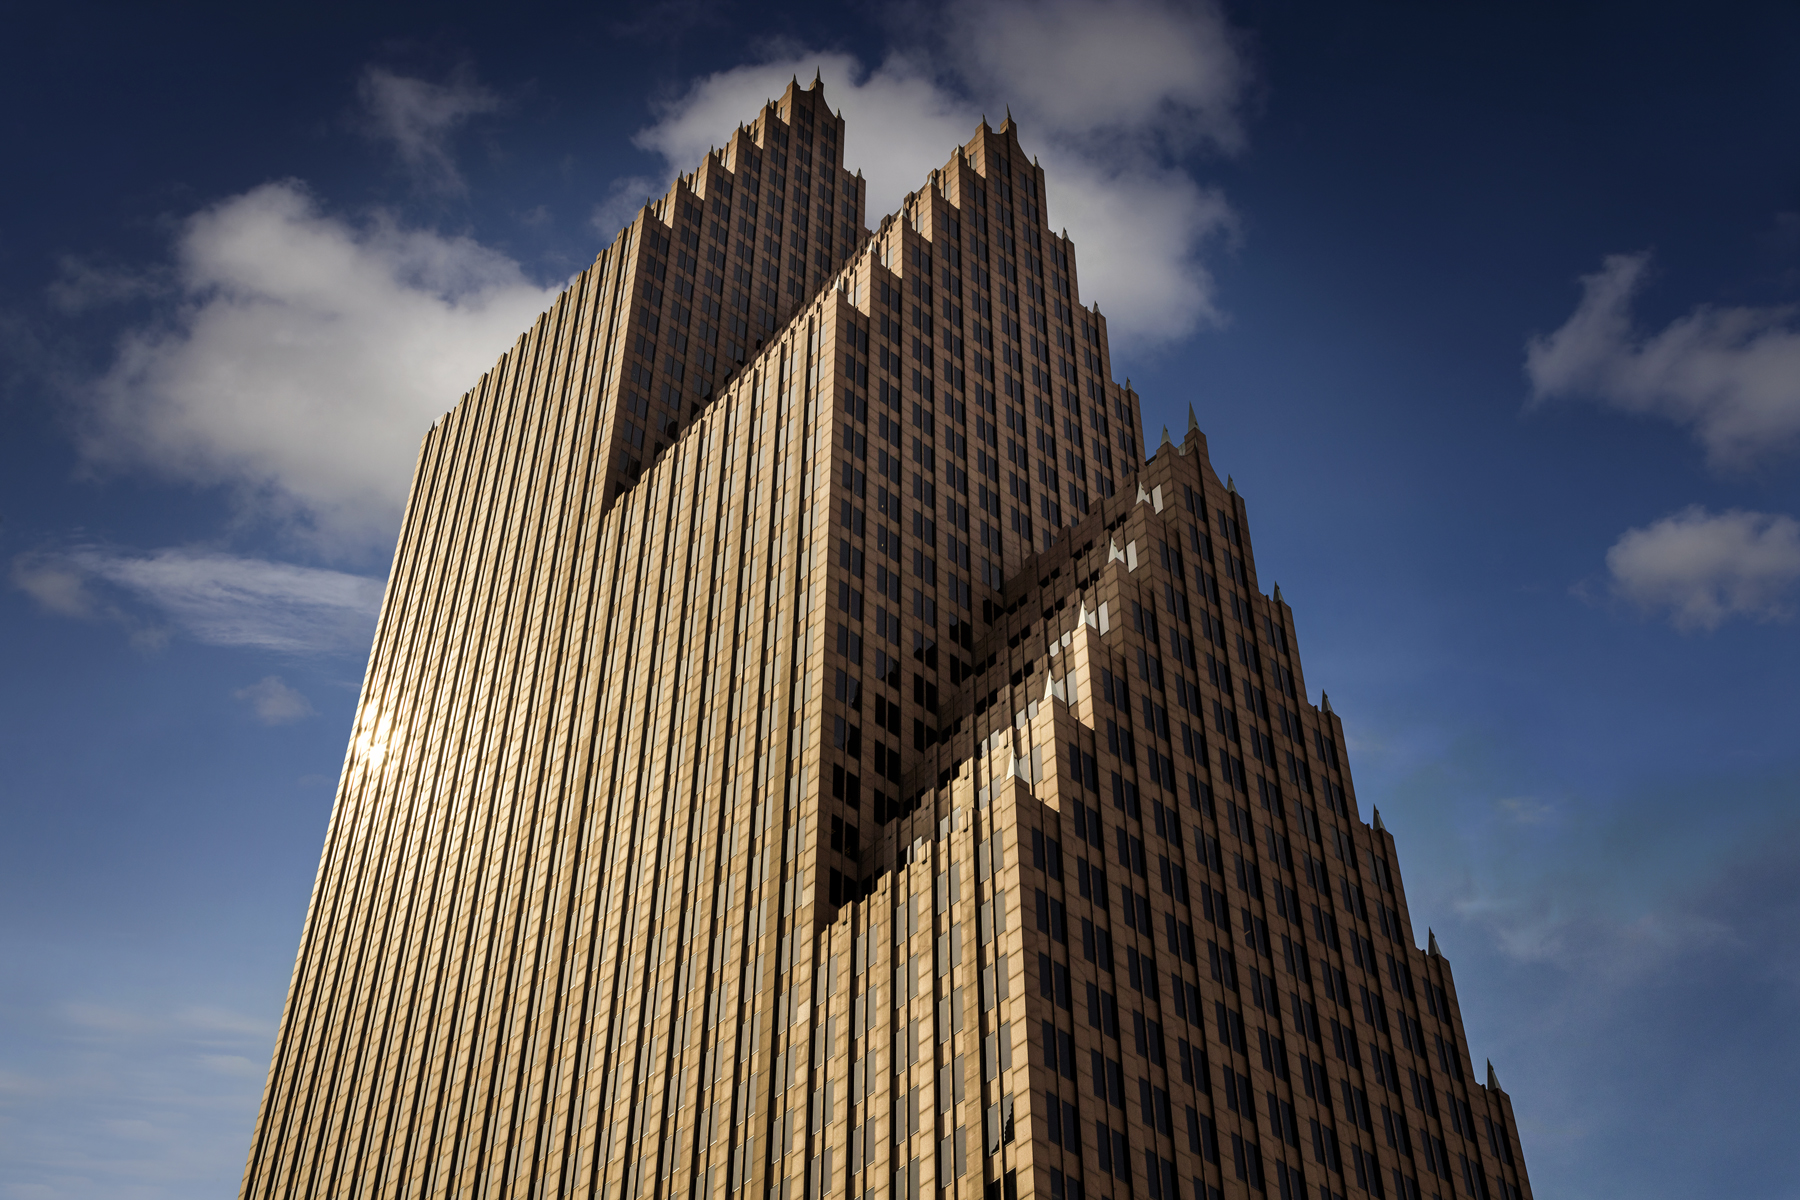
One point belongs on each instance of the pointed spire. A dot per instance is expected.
(816, 80)
(1324, 702)
(1230, 486)
(1165, 438)
(1278, 593)
(1431, 946)
(1193, 422)
(1493, 1079)
(1379, 827)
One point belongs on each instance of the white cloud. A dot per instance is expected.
(1704, 568)
(219, 599)
(274, 702)
(307, 357)
(1107, 94)
(418, 118)
(58, 586)
(1731, 374)
(1130, 68)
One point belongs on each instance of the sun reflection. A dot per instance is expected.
(374, 736)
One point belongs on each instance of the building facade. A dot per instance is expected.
(886, 782)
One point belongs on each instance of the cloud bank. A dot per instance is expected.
(1703, 568)
(1732, 375)
(217, 599)
(1109, 95)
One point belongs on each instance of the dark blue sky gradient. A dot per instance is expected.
(1596, 811)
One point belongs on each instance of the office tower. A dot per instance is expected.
(895, 785)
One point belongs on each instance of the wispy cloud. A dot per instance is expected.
(218, 599)
(1702, 971)
(116, 1101)
(418, 118)
(1607, 949)
(82, 284)
(306, 356)
(1111, 95)
(623, 200)
(669, 20)
(274, 702)
(1526, 810)
(1702, 568)
(1731, 374)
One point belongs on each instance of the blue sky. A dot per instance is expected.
(1489, 311)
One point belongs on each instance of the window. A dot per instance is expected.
(1247, 1158)
(1046, 854)
(1103, 1011)
(1149, 1037)
(1318, 1084)
(1325, 1147)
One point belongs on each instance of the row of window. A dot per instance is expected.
(1108, 1087)
(1047, 855)
(1063, 1126)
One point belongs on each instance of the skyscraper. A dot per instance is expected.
(808, 750)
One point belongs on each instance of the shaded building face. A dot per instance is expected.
(809, 750)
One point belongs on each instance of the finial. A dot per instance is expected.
(1493, 1079)
(1324, 702)
(1431, 946)
(1379, 827)
(1165, 438)
(816, 80)
(1193, 423)
(1230, 486)
(1278, 593)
